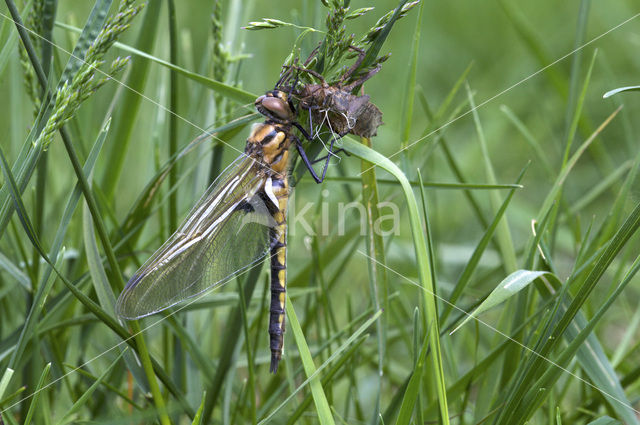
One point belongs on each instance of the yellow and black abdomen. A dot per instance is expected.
(269, 142)
(278, 273)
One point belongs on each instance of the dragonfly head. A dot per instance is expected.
(276, 106)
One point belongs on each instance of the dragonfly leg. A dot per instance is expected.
(303, 131)
(306, 161)
(329, 154)
(356, 64)
(349, 88)
(334, 153)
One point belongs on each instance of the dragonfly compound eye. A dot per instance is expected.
(274, 107)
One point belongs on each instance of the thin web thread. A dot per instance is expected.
(124, 341)
(186, 120)
(492, 98)
(364, 254)
(532, 351)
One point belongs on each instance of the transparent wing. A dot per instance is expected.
(228, 230)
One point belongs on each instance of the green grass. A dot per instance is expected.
(517, 219)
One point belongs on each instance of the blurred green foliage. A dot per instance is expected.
(532, 71)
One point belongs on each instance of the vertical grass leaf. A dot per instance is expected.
(88, 34)
(36, 394)
(422, 260)
(353, 339)
(378, 282)
(319, 397)
(197, 419)
(4, 382)
(413, 389)
(130, 101)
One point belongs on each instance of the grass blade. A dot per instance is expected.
(37, 393)
(413, 389)
(510, 286)
(351, 340)
(620, 90)
(478, 251)
(605, 420)
(378, 282)
(66, 418)
(103, 288)
(130, 101)
(197, 419)
(4, 382)
(325, 416)
(422, 259)
(15, 272)
(226, 90)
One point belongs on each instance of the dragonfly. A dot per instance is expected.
(240, 219)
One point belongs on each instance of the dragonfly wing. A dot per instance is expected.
(228, 230)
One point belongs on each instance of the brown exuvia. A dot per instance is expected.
(340, 110)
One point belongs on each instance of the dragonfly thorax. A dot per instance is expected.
(270, 143)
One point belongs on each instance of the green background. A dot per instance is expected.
(530, 58)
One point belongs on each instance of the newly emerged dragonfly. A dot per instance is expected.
(238, 221)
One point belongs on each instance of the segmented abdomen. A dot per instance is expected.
(278, 273)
